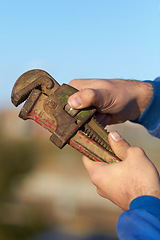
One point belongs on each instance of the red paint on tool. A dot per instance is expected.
(41, 121)
(82, 150)
(88, 139)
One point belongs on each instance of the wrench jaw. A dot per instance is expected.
(30, 80)
(34, 87)
(30, 86)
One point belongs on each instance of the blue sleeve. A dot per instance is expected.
(150, 118)
(141, 221)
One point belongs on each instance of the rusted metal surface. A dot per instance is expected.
(46, 104)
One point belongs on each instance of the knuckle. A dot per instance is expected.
(135, 151)
(91, 94)
(74, 83)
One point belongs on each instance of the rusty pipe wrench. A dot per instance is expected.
(46, 104)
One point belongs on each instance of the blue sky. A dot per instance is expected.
(78, 39)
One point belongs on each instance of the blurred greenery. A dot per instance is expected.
(17, 159)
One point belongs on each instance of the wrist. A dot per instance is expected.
(150, 117)
(144, 95)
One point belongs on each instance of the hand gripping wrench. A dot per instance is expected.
(46, 104)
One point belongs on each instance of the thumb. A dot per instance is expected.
(84, 98)
(118, 144)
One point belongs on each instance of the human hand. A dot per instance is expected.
(122, 182)
(117, 100)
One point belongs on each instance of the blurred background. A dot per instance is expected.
(45, 193)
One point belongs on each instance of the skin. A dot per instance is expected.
(118, 100)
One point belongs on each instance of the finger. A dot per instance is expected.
(88, 163)
(93, 168)
(106, 121)
(103, 119)
(84, 98)
(118, 144)
(80, 83)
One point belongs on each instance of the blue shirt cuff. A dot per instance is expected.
(149, 203)
(151, 116)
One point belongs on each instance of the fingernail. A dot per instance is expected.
(116, 137)
(75, 102)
